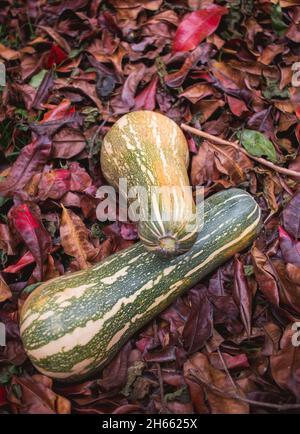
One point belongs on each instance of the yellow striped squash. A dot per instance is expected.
(148, 149)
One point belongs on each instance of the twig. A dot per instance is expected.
(278, 407)
(235, 145)
(226, 370)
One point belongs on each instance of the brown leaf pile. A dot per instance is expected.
(73, 67)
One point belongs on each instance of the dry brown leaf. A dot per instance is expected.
(8, 54)
(37, 396)
(5, 292)
(265, 275)
(75, 238)
(199, 368)
(57, 38)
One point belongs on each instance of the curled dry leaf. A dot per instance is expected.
(216, 384)
(285, 366)
(289, 291)
(199, 324)
(146, 99)
(242, 295)
(74, 238)
(30, 160)
(55, 183)
(290, 248)
(8, 54)
(36, 396)
(67, 143)
(33, 233)
(265, 275)
(25, 260)
(8, 240)
(5, 292)
(291, 216)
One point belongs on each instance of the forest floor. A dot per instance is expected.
(228, 68)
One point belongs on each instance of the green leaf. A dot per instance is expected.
(97, 232)
(249, 270)
(180, 394)
(7, 372)
(38, 78)
(272, 91)
(134, 371)
(30, 288)
(277, 20)
(257, 144)
(74, 53)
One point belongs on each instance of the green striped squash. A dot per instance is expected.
(149, 150)
(73, 325)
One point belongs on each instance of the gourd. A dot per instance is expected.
(149, 150)
(73, 325)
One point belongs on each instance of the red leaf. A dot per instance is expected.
(54, 184)
(291, 216)
(239, 361)
(242, 295)
(56, 56)
(199, 324)
(196, 26)
(2, 396)
(25, 260)
(290, 248)
(237, 106)
(33, 234)
(32, 157)
(61, 111)
(146, 98)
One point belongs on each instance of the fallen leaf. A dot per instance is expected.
(198, 368)
(5, 292)
(290, 248)
(67, 143)
(146, 99)
(257, 144)
(237, 106)
(60, 41)
(56, 56)
(33, 233)
(242, 295)
(25, 260)
(30, 160)
(8, 240)
(285, 367)
(199, 324)
(8, 54)
(265, 276)
(197, 91)
(74, 238)
(36, 396)
(196, 26)
(291, 216)
(131, 84)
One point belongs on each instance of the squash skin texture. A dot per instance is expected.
(73, 325)
(148, 149)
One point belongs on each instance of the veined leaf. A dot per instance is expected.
(74, 238)
(257, 144)
(197, 26)
(5, 292)
(37, 79)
